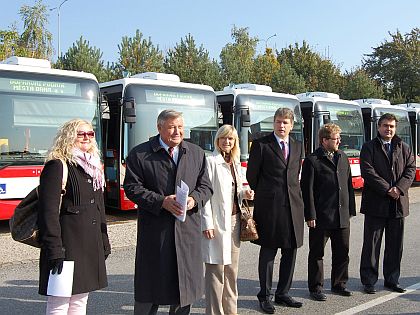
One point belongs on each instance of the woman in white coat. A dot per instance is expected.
(221, 223)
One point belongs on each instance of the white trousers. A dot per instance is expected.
(74, 305)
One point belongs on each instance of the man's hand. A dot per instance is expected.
(170, 204)
(190, 203)
(249, 194)
(311, 223)
(209, 234)
(394, 193)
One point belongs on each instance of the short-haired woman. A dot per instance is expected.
(221, 223)
(77, 230)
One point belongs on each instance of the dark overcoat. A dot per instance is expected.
(169, 267)
(278, 205)
(380, 174)
(327, 190)
(77, 232)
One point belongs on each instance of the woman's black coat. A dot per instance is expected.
(327, 190)
(77, 232)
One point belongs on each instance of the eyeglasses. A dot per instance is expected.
(83, 134)
(335, 139)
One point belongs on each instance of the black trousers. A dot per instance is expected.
(151, 309)
(340, 239)
(394, 233)
(265, 271)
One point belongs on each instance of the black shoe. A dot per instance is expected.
(341, 291)
(394, 287)
(287, 300)
(369, 289)
(318, 296)
(267, 306)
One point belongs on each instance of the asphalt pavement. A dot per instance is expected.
(19, 273)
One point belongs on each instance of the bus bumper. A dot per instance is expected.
(7, 208)
(357, 182)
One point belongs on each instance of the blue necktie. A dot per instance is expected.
(388, 150)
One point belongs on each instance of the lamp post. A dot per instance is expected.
(59, 39)
(274, 35)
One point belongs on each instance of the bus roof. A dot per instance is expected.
(137, 79)
(324, 97)
(235, 91)
(40, 66)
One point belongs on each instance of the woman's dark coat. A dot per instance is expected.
(327, 190)
(380, 174)
(278, 206)
(169, 266)
(77, 232)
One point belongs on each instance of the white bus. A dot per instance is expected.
(373, 109)
(134, 105)
(319, 108)
(414, 116)
(34, 101)
(250, 108)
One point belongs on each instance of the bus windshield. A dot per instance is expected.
(33, 106)
(198, 107)
(403, 126)
(349, 118)
(262, 109)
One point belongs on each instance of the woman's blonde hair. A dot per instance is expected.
(228, 131)
(65, 140)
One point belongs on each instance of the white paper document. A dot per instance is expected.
(182, 198)
(62, 284)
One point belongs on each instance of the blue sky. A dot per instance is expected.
(342, 30)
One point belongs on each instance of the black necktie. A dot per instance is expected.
(388, 149)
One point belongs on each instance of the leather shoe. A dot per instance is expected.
(267, 306)
(369, 289)
(287, 300)
(341, 291)
(318, 296)
(394, 287)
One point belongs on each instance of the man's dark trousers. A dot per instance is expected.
(394, 234)
(318, 237)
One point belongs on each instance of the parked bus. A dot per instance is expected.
(134, 105)
(250, 108)
(319, 108)
(414, 117)
(34, 101)
(373, 109)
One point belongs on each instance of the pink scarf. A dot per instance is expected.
(92, 166)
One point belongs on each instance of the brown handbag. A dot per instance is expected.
(248, 225)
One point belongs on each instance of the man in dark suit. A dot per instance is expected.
(328, 196)
(388, 168)
(169, 267)
(273, 173)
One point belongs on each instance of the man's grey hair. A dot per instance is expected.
(167, 114)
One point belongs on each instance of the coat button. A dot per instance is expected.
(92, 200)
(94, 221)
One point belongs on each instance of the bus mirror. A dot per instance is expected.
(129, 110)
(105, 108)
(326, 118)
(245, 119)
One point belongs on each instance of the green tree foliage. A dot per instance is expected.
(82, 57)
(192, 64)
(265, 66)
(357, 85)
(237, 58)
(320, 74)
(286, 80)
(395, 64)
(138, 55)
(35, 37)
(10, 43)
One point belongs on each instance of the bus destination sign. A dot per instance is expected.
(168, 97)
(38, 87)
